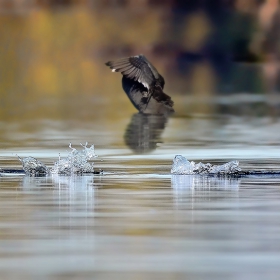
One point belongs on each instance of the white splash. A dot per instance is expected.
(33, 167)
(182, 166)
(76, 162)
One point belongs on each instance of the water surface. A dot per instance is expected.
(137, 221)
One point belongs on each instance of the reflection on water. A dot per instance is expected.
(143, 133)
(200, 188)
(75, 182)
(197, 182)
(106, 227)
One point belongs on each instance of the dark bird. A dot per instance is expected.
(143, 84)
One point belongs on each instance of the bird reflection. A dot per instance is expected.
(143, 134)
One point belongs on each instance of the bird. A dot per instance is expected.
(143, 84)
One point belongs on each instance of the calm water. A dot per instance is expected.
(137, 221)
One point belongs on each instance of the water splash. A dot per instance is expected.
(76, 162)
(182, 166)
(33, 167)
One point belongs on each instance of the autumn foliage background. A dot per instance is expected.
(52, 53)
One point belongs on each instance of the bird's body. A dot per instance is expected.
(143, 84)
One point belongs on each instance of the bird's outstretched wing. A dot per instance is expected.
(137, 68)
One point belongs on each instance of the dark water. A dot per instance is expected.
(137, 221)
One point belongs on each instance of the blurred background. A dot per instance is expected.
(220, 61)
(217, 56)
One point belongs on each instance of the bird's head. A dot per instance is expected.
(158, 86)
